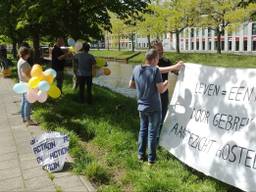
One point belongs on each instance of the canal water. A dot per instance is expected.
(120, 76)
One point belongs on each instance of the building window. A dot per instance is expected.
(245, 29)
(254, 29)
(237, 45)
(203, 32)
(222, 45)
(209, 32)
(197, 45)
(197, 32)
(192, 45)
(186, 45)
(254, 45)
(203, 45)
(230, 45)
(192, 32)
(245, 45)
(210, 45)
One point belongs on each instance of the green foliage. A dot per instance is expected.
(153, 23)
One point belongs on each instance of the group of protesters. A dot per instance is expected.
(149, 79)
(82, 61)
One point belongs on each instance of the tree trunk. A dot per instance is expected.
(177, 33)
(98, 45)
(36, 46)
(133, 44)
(218, 41)
(119, 44)
(149, 43)
(14, 49)
(108, 40)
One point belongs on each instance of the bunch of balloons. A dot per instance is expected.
(74, 46)
(100, 69)
(40, 85)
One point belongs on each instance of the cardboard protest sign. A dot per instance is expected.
(51, 150)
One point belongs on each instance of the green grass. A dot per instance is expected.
(115, 54)
(223, 60)
(103, 144)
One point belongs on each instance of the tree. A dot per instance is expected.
(153, 23)
(8, 20)
(118, 27)
(79, 19)
(225, 14)
(180, 14)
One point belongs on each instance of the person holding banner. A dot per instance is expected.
(83, 65)
(148, 82)
(165, 66)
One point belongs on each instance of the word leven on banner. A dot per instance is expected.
(207, 89)
(235, 93)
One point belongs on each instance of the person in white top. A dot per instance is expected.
(24, 69)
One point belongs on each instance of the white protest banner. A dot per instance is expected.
(210, 124)
(51, 150)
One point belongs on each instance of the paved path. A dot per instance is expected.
(18, 168)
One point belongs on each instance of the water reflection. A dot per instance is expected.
(119, 79)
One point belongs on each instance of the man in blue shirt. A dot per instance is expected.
(147, 81)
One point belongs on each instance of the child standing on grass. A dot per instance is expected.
(24, 69)
(147, 81)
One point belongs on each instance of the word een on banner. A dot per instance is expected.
(211, 123)
(39, 86)
(51, 150)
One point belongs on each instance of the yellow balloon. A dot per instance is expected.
(33, 82)
(54, 92)
(36, 70)
(72, 49)
(107, 71)
(100, 62)
(49, 78)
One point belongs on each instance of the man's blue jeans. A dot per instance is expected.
(149, 126)
(25, 108)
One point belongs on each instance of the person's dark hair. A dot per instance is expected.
(151, 54)
(23, 51)
(86, 47)
(60, 37)
(155, 43)
(24, 44)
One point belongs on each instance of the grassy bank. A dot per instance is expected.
(114, 54)
(225, 60)
(103, 144)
